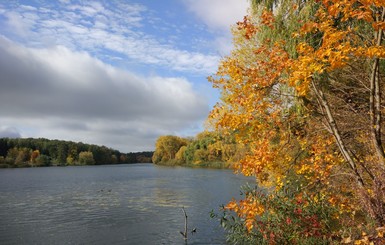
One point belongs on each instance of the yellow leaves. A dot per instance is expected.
(321, 160)
(304, 68)
(346, 240)
(233, 206)
(359, 9)
(370, 192)
(267, 18)
(304, 168)
(375, 51)
(334, 9)
(260, 158)
(377, 3)
(249, 28)
(304, 49)
(248, 209)
(309, 27)
(379, 25)
(253, 80)
(364, 240)
(371, 238)
(380, 231)
(350, 9)
(338, 45)
(370, 52)
(366, 15)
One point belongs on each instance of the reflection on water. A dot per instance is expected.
(120, 204)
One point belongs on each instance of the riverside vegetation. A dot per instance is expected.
(302, 94)
(207, 149)
(43, 152)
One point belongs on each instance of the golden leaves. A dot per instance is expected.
(379, 25)
(321, 158)
(372, 52)
(248, 26)
(248, 209)
(267, 18)
(338, 46)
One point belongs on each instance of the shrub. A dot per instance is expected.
(285, 217)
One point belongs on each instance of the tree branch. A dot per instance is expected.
(336, 133)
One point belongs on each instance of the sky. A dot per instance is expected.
(113, 73)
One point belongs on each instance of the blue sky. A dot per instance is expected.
(114, 73)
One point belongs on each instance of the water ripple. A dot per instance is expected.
(111, 204)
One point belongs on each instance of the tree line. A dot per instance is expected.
(206, 149)
(30, 152)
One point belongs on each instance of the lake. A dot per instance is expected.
(113, 204)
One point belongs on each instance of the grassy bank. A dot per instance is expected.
(215, 165)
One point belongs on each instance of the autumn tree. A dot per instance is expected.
(34, 155)
(342, 76)
(166, 148)
(18, 156)
(86, 158)
(302, 89)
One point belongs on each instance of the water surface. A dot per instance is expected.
(115, 204)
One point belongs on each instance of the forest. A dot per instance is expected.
(30, 152)
(302, 93)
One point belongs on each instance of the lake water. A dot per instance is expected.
(118, 204)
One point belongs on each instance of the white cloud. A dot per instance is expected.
(58, 80)
(98, 28)
(58, 93)
(219, 16)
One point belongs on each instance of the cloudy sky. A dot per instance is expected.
(114, 73)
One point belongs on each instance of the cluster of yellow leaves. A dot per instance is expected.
(247, 209)
(338, 45)
(256, 162)
(267, 18)
(368, 239)
(371, 52)
(322, 158)
(249, 28)
(246, 85)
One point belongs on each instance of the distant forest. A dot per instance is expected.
(206, 149)
(30, 152)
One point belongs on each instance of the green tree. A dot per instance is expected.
(43, 160)
(62, 150)
(114, 159)
(59, 152)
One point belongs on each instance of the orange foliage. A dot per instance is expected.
(260, 83)
(248, 209)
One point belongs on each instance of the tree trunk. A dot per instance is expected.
(375, 100)
(324, 106)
